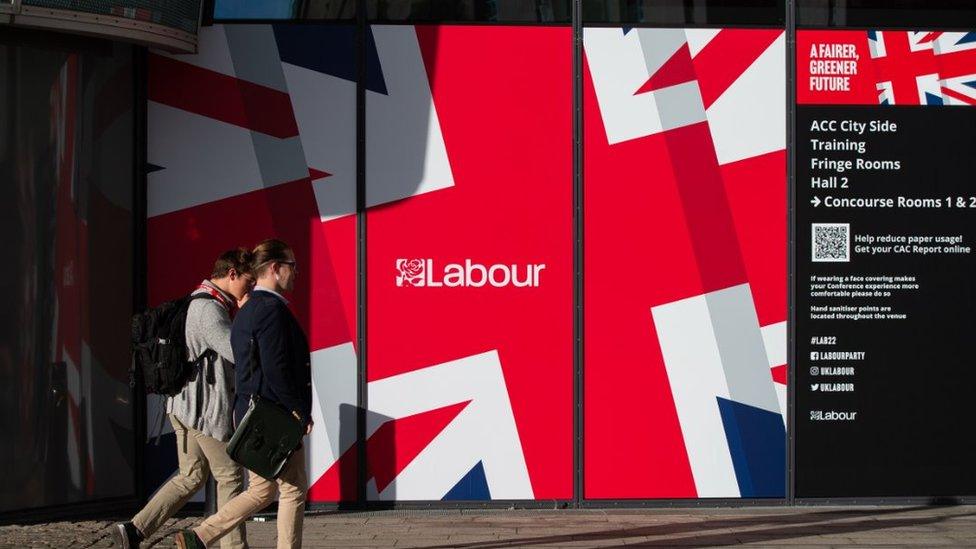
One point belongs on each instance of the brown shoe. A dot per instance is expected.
(187, 539)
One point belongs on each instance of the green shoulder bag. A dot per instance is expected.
(268, 434)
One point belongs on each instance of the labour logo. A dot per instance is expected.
(411, 272)
(470, 274)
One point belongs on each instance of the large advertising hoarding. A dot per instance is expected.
(469, 257)
(685, 263)
(470, 262)
(470, 371)
(254, 138)
(885, 209)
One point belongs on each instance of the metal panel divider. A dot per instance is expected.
(140, 252)
(361, 328)
(790, 250)
(578, 253)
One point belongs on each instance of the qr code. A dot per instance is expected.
(831, 242)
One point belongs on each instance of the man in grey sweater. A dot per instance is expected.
(202, 414)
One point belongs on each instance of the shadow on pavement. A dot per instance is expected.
(779, 527)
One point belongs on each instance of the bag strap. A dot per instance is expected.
(205, 362)
(162, 422)
(254, 357)
(204, 373)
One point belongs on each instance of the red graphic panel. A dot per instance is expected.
(493, 242)
(834, 67)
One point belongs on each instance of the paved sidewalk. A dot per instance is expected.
(765, 527)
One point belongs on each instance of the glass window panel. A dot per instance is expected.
(66, 152)
(328, 9)
(247, 9)
(225, 10)
(886, 13)
(685, 12)
(486, 11)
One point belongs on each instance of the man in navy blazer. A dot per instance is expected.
(283, 377)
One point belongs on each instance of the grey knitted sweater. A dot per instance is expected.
(208, 407)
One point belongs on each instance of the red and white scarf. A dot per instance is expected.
(227, 303)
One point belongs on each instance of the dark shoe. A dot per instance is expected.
(126, 536)
(187, 539)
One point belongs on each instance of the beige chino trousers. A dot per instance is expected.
(198, 456)
(292, 485)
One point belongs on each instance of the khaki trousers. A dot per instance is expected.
(292, 485)
(198, 456)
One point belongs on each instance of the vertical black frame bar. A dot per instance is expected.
(208, 7)
(361, 389)
(790, 250)
(140, 255)
(578, 235)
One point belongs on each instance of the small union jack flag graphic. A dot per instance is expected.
(924, 68)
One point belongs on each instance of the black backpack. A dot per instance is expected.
(159, 354)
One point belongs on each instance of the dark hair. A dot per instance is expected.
(238, 259)
(266, 252)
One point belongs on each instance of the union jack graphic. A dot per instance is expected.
(470, 389)
(924, 67)
(688, 125)
(256, 136)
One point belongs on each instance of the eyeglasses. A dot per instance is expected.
(293, 264)
(243, 274)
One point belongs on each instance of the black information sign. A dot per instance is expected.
(885, 223)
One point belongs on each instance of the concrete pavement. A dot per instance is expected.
(953, 526)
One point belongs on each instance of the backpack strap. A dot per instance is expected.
(205, 295)
(206, 360)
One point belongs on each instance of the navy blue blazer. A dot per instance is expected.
(285, 375)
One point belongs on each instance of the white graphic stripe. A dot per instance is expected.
(405, 149)
(694, 365)
(334, 382)
(206, 160)
(620, 64)
(324, 109)
(699, 38)
(774, 340)
(484, 431)
(740, 344)
(749, 118)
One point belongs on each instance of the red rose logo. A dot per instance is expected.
(411, 272)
